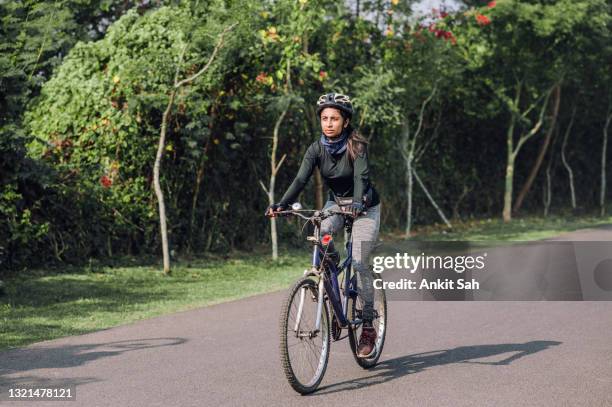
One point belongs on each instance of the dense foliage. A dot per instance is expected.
(84, 85)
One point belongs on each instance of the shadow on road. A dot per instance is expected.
(16, 361)
(395, 368)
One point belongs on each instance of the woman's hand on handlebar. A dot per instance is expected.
(277, 207)
(357, 209)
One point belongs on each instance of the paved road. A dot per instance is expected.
(437, 353)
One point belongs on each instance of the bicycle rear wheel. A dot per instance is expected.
(379, 323)
(304, 351)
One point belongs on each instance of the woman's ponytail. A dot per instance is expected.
(356, 143)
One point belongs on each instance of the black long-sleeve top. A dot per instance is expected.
(343, 178)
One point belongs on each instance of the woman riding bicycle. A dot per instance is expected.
(341, 156)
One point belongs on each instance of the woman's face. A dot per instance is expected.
(332, 122)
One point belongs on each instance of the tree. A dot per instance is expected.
(294, 63)
(436, 96)
(110, 98)
(516, 50)
(162, 139)
(424, 66)
(552, 122)
(34, 38)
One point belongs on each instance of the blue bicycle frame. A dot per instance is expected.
(328, 283)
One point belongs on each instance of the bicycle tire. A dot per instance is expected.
(380, 324)
(303, 385)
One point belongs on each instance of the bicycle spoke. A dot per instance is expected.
(311, 347)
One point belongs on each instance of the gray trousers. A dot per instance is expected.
(365, 234)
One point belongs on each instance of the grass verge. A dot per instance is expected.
(520, 229)
(74, 301)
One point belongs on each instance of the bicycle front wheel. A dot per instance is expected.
(304, 349)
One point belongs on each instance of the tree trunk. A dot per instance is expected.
(543, 148)
(509, 177)
(158, 191)
(513, 151)
(547, 195)
(458, 201)
(319, 199)
(274, 169)
(408, 149)
(433, 202)
(570, 173)
(604, 155)
(406, 152)
(273, 233)
(409, 183)
(547, 191)
(162, 141)
(507, 215)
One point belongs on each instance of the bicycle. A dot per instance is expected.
(305, 318)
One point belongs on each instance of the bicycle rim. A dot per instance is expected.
(305, 352)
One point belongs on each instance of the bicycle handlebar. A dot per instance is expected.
(318, 214)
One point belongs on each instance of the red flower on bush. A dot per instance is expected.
(447, 35)
(106, 181)
(261, 78)
(492, 4)
(322, 75)
(483, 20)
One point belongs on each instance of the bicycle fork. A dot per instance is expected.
(315, 261)
(320, 299)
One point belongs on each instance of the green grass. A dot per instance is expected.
(76, 301)
(46, 304)
(520, 229)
